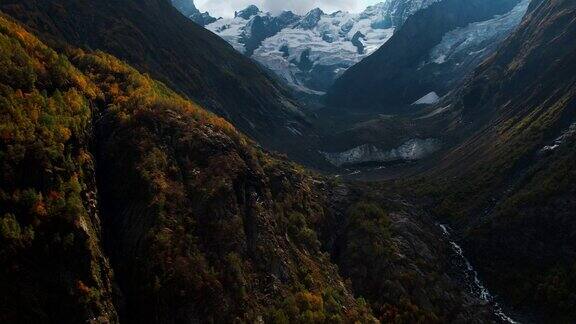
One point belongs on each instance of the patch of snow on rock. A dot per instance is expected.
(569, 133)
(429, 99)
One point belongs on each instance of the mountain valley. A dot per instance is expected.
(409, 163)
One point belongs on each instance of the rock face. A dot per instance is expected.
(432, 52)
(332, 42)
(188, 9)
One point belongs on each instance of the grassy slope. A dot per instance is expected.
(515, 202)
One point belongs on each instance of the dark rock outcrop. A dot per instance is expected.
(311, 19)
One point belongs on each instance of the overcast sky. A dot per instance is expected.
(226, 8)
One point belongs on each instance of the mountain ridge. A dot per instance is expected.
(188, 9)
(190, 62)
(396, 75)
(310, 51)
(140, 202)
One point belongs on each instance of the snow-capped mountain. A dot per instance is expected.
(428, 56)
(312, 50)
(246, 31)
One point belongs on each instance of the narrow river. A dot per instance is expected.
(471, 276)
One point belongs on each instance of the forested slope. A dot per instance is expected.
(122, 201)
(155, 38)
(104, 168)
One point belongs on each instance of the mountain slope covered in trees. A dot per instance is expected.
(120, 199)
(156, 39)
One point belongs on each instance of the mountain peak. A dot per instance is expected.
(316, 12)
(287, 17)
(311, 19)
(376, 9)
(248, 12)
(186, 7)
(287, 13)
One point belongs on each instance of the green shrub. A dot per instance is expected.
(10, 228)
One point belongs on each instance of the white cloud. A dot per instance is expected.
(226, 8)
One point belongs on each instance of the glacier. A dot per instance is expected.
(474, 35)
(412, 150)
